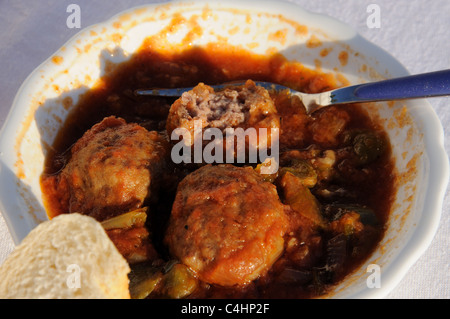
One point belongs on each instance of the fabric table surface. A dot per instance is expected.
(415, 32)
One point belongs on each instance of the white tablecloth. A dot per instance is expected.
(416, 32)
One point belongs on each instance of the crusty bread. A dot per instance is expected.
(68, 257)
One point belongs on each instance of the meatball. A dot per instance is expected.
(246, 106)
(227, 224)
(113, 169)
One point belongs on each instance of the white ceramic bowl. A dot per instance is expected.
(53, 89)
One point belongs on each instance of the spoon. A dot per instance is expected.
(424, 85)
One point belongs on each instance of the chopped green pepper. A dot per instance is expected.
(179, 282)
(143, 280)
(127, 220)
(303, 170)
(368, 147)
(300, 198)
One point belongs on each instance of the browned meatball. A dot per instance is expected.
(227, 224)
(112, 169)
(246, 106)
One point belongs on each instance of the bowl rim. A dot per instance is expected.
(438, 169)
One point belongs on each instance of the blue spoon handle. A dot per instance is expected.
(415, 86)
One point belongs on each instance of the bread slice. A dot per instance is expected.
(68, 257)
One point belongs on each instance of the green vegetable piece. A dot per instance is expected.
(368, 147)
(179, 282)
(366, 215)
(303, 170)
(127, 220)
(300, 198)
(143, 280)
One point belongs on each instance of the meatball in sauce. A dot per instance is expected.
(113, 169)
(248, 108)
(227, 224)
(243, 106)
